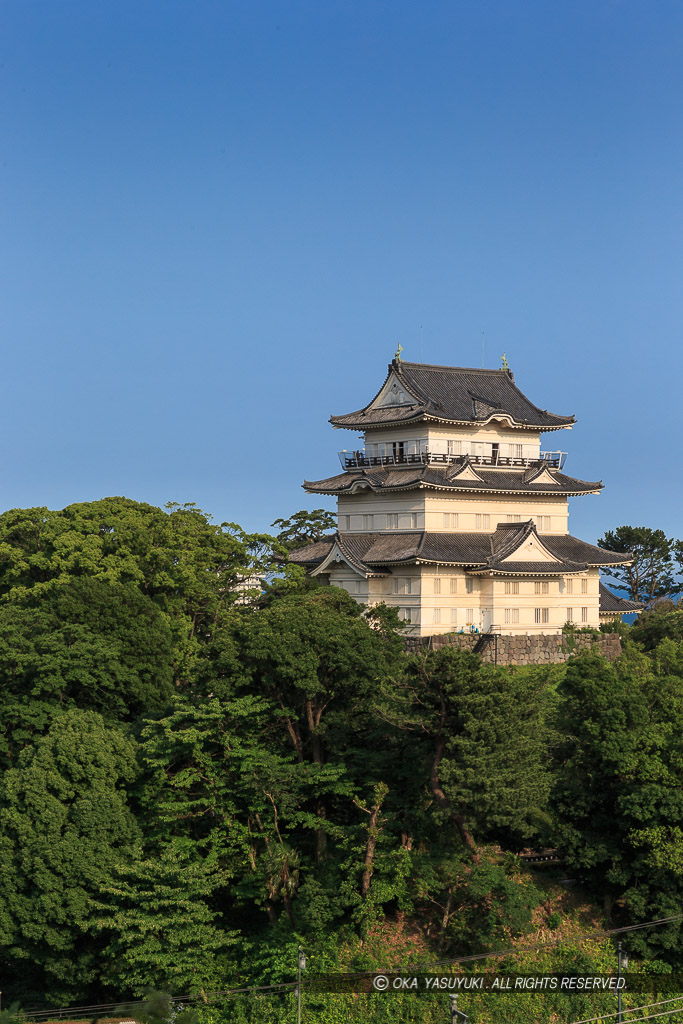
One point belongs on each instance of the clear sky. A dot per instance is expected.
(219, 219)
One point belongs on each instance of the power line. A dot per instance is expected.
(559, 941)
(491, 954)
(126, 1003)
(645, 1006)
(649, 1016)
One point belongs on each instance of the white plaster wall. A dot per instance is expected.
(482, 607)
(431, 506)
(473, 440)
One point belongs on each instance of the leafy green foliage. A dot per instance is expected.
(487, 756)
(64, 826)
(207, 762)
(652, 573)
(159, 927)
(617, 790)
(87, 643)
(304, 528)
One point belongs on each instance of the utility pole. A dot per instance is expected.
(456, 1014)
(622, 960)
(300, 966)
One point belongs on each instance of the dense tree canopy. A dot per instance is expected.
(65, 824)
(206, 760)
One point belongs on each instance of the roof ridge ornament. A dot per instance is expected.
(397, 354)
(504, 365)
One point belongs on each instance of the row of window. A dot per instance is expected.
(510, 586)
(408, 521)
(471, 616)
(413, 447)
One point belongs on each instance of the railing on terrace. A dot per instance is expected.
(359, 459)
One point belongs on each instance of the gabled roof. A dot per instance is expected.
(610, 604)
(535, 480)
(450, 394)
(472, 551)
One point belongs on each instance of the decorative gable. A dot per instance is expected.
(544, 476)
(336, 556)
(531, 549)
(394, 393)
(466, 473)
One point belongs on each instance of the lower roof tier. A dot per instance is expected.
(461, 476)
(514, 549)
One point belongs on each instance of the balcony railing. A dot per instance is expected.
(358, 460)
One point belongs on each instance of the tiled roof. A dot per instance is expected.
(484, 551)
(571, 549)
(610, 603)
(457, 394)
(399, 478)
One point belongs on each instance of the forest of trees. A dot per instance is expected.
(201, 771)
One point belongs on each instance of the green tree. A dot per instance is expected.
(304, 528)
(661, 622)
(160, 930)
(652, 573)
(486, 756)
(87, 643)
(618, 783)
(214, 786)
(194, 570)
(64, 826)
(318, 661)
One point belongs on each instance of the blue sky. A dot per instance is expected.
(219, 219)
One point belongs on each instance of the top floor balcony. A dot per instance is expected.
(398, 457)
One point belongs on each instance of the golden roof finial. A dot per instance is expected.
(397, 354)
(504, 363)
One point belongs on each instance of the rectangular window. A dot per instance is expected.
(584, 586)
(584, 615)
(469, 615)
(403, 585)
(513, 519)
(392, 521)
(437, 616)
(512, 587)
(570, 614)
(511, 616)
(541, 587)
(541, 615)
(517, 451)
(406, 521)
(543, 522)
(570, 586)
(470, 585)
(454, 616)
(437, 584)
(454, 585)
(368, 522)
(450, 520)
(405, 614)
(482, 521)
(344, 522)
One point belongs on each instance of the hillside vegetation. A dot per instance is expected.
(200, 774)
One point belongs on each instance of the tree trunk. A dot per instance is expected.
(445, 918)
(444, 803)
(374, 829)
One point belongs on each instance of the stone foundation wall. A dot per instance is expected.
(538, 649)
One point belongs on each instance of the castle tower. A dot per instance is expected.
(453, 513)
